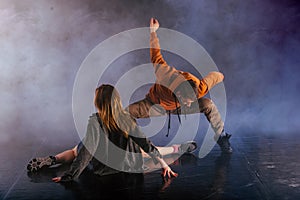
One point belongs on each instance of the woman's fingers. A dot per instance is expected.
(168, 172)
(56, 179)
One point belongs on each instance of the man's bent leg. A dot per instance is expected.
(212, 114)
(144, 109)
(206, 106)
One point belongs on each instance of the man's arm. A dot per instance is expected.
(155, 54)
(162, 70)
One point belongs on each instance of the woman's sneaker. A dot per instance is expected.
(224, 143)
(188, 147)
(38, 163)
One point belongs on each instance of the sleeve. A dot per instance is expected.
(86, 153)
(161, 68)
(140, 139)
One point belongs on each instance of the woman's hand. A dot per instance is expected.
(63, 179)
(167, 171)
(56, 179)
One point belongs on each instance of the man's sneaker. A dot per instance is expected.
(37, 163)
(188, 147)
(224, 143)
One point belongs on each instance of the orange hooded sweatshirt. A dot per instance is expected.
(168, 78)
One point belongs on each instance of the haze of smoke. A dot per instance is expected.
(43, 43)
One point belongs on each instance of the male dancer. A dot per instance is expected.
(177, 92)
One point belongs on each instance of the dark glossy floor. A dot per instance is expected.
(261, 167)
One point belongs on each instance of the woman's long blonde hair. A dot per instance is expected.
(114, 117)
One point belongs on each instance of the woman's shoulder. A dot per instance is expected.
(93, 118)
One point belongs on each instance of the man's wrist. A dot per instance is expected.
(152, 30)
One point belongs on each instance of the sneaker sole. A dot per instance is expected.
(38, 163)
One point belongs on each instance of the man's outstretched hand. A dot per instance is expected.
(154, 25)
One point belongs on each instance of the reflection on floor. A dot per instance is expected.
(261, 167)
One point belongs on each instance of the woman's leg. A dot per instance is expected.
(66, 156)
(187, 147)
